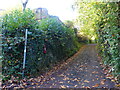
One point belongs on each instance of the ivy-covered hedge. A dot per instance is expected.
(13, 30)
(49, 42)
(102, 18)
(108, 32)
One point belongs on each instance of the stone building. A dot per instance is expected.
(41, 13)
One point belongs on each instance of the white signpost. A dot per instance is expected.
(24, 60)
(24, 3)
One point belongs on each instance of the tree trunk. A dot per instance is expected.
(24, 4)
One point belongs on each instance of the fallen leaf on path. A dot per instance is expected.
(53, 84)
(67, 86)
(87, 87)
(66, 78)
(97, 78)
(33, 83)
(16, 88)
(117, 85)
(102, 81)
(60, 82)
(82, 65)
(86, 81)
(94, 72)
(97, 67)
(109, 76)
(31, 80)
(75, 85)
(62, 86)
(96, 85)
(76, 79)
(21, 86)
(53, 78)
(113, 80)
(38, 86)
(25, 84)
(68, 81)
(82, 84)
(50, 87)
(61, 75)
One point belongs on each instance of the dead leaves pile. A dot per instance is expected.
(107, 71)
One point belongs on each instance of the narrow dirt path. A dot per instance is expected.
(82, 72)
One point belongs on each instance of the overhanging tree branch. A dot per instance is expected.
(24, 4)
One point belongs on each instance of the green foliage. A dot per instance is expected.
(69, 24)
(108, 34)
(13, 30)
(60, 43)
(86, 18)
(102, 18)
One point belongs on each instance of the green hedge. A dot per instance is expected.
(102, 18)
(108, 32)
(59, 41)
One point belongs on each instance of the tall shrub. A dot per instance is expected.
(108, 34)
(49, 42)
(13, 30)
(60, 43)
(103, 19)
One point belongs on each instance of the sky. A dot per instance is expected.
(60, 8)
